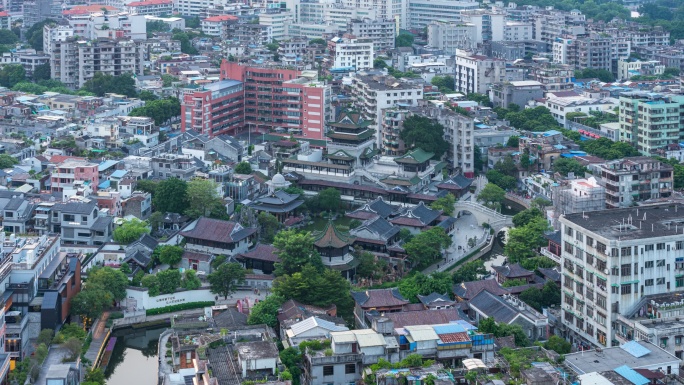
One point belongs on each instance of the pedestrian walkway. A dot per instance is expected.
(100, 334)
(465, 229)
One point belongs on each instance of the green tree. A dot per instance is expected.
(405, 39)
(226, 279)
(168, 80)
(146, 185)
(169, 281)
(514, 282)
(269, 225)
(504, 181)
(540, 203)
(524, 217)
(170, 255)
(125, 268)
(243, 168)
(533, 297)
(147, 96)
(7, 161)
(481, 99)
(295, 250)
(568, 165)
(12, 74)
(444, 83)
(156, 221)
(171, 196)
(102, 84)
(487, 325)
(558, 345)
(445, 203)
(292, 359)
(151, 282)
(513, 141)
(91, 303)
(95, 375)
(45, 337)
(156, 26)
(523, 241)
(34, 35)
(507, 166)
(379, 63)
(130, 230)
(111, 280)
(318, 41)
(266, 312)
(190, 280)
(426, 247)
(204, 199)
(329, 199)
(42, 72)
(369, 266)
(424, 133)
(492, 195)
(185, 43)
(160, 110)
(419, 284)
(313, 287)
(469, 271)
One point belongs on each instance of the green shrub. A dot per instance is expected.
(179, 307)
(116, 315)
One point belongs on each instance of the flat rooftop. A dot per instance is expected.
(634, 222)
(644, 355)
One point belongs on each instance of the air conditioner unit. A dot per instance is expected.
(605, 271)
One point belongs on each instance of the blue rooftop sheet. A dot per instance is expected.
(450, 328)
(631, 375)
(107, 164)
(559, 147)
(119, 174)
(551, 133)
(104, 185)
(465, 324)
(568, 155)
(635, 349)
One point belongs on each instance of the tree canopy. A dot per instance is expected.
(171, 196)
(469, 271)
(113, 280)
(102, 84)
(549, 295)
(312, 286)
(190, 280)
(590, 73)
(420, 284)
(204, 200)
(426, 247)
(11, 74)
(445, 203)
(266, 311)
(8, 37)
(225, 280)
(526, 216)
(444, 83)
(492, 195)
(130, 230)
(170, 255)
(268, 227)
(424, 133)
(7, 161)
(243, 168)
(405, 39)
(160, 110)
(169, 281)
(568, 165)
(524, 241)
(295, 250)
(326, 200)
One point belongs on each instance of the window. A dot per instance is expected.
(648, 282)
(590, 294)
(648, 264)
(660, 281)
(626, 251)
(569, 300)
(590, 259)
(679, 245)
(568, 231)
(660, 263)
(601, 248)
(579, 288)
(600, 318)
(579, 236)
(600, 265)
(349, 368)
(678, 340)
(590, 241)
(679, 281)
(328, 370)
(626, 289)
(568, 247)
(600, 301)
(579, 253)
(660, 246)
(648, 247)
(579, 272)
(626, 269)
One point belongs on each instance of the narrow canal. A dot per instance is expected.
(134, 359)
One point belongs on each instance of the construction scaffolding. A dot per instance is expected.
(577, 195)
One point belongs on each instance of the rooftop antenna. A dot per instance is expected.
(652, 227)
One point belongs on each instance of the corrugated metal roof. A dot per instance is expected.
(447, 329)
(631, 375)
(594, 378)
(313, 322)
(368, 337)
(343, 337)
(422, 332)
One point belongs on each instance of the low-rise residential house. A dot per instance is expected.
(214, 236)
(417, 218)
(200, 262)
(80, 223)
(312, 328)
(512, 272)
(262, 258)
(509, 310)
(138, 205)
(380, 300)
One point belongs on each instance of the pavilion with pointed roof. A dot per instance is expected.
(334, 246)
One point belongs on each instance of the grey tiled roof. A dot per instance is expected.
(493, 306)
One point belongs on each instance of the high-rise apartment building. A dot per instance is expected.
(277, 98)
(449, 36)
(382, 33)
(613, 261)
(422, 12)
(214, 109)
(74, 62)
(651, 121)
(477, 73)
(356, 53)
(385, 9)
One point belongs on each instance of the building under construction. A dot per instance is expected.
(577, 195)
